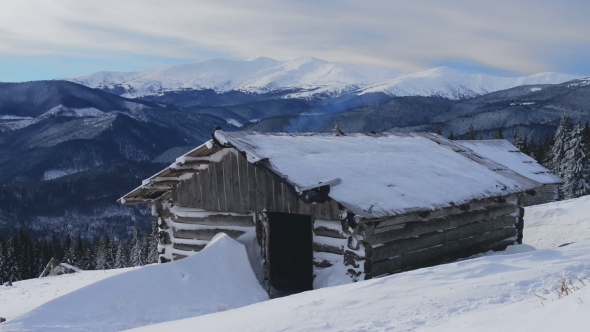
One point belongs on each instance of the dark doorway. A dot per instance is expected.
(290, 253)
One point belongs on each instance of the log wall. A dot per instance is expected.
(235, 185)
(544, 194)
(424, 239)
(185, 231)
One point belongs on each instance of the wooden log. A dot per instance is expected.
(328, 232)
(382, 224)
(322, 263)
(438, 254)
(163, 260)
(183, 170)
(218, 220)
(131, 201)
(188, 247)
(204, 234)
(428, 226)
(176, 257)
(193, 162)
(320, 247)
(406, 245)
(164, 238)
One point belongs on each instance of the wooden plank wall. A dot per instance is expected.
(544, 194)
(419, 240)
(235, 185)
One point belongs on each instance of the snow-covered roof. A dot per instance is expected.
(381, 174)
(501, 151)
(372, 175)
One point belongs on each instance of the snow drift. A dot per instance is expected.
(216, 279)
(558, 223)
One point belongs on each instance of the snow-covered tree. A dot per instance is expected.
(518, 141)
(576, 165)
(121, 259)
(560, 146)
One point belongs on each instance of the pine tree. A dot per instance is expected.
(121, 259)
(13, 272)
(576, 165)
(153, 244)
(439, 130)
(136, 252)
(499, 134)
(2, 260)
(559, 147)
(471, 132)
(519, 143)
(101, 257)
(451, 136)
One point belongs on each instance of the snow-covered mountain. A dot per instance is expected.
(306, 77)
(448, 83)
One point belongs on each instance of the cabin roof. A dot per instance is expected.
(373, 175)
(501, 151)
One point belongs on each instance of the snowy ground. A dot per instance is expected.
(24, 296)
(497, 292)
(555, 224)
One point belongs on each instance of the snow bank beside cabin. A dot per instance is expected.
(554, 224)
(423, 299)
(216, 279)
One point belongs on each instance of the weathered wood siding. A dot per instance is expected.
(544, 194)
(182, 236)
(425, 239)
(235, 185)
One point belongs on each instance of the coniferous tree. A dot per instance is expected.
(451, 136)
(136, 251)
(439, 131)
(499, 134)
(2, 260)
(153, 244)
(102, 253)
(576, 165)
(13, 272)
(560, 146)
(519, 143)
(471, 132)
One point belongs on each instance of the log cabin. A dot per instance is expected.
(358, 205)
(504, 153)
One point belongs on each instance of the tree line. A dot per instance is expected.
(25, 257)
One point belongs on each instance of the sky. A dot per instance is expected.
(42, 39)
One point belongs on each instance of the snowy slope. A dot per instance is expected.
(24, 296)
(558, 223)
(308, 77)
(419, 300)
(217, 279)
(497, 292)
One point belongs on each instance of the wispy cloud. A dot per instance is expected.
(519, 36)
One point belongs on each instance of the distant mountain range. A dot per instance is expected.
(69, 150)
(306, 77)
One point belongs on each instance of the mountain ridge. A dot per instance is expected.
(305, 77)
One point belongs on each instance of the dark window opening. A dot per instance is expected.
(290, 253)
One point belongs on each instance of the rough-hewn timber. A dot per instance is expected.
(235, 185)
(436, 238)
(440, 253)
(203, 234)
(423, 227)
(217, 220)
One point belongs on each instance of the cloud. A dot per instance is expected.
(522, 36)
